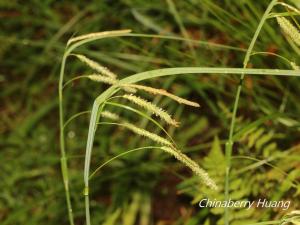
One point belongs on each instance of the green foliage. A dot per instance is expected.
(266, 153)
(257, 169)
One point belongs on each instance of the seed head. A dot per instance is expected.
(156, 91)
(145, 133)
(289, 29)
(192, 165)
(96, 66)
(110, 115)
(102, 79)
(97, 35)
(152, 108)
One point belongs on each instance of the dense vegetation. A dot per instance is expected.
(147, 186)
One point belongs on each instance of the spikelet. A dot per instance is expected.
(128, 89)
(294, 66)
(96, 66)
(102, 79)
(289, 29)
(103, 71)
(147, 134)
(110, 115)
(108, 80)
(97, 35)
(192, 165)
(152, 108)
(156, 91)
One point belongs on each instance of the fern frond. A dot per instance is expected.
(156, 91)
(152, 108)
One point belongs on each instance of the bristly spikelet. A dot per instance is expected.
(289, 29)
(98, 35)
(102, 79)
(110, 115)
(145, 133)
(128, 89)
(96, 66)
(152, 108)
(156, 91)
(192, 165)
(109, 80)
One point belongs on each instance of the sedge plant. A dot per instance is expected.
(129, 90)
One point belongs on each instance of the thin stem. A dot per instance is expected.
(184, 32)
(120, 155)
(75, 116)
(265, 162)
(64, 164)
(229, 144)
(73, 79)
(87, 206)
(273, 54)
(192, 41)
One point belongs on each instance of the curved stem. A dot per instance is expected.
(259, 162)
(120, 155)
(229, 144)
(272, 54)
(63, 160)
(75, 116)
(73, 79)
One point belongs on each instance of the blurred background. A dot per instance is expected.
(145, 187)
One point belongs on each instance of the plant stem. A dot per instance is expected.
(92, 127)
(87, 207)
(229, 143)
(63, 161)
